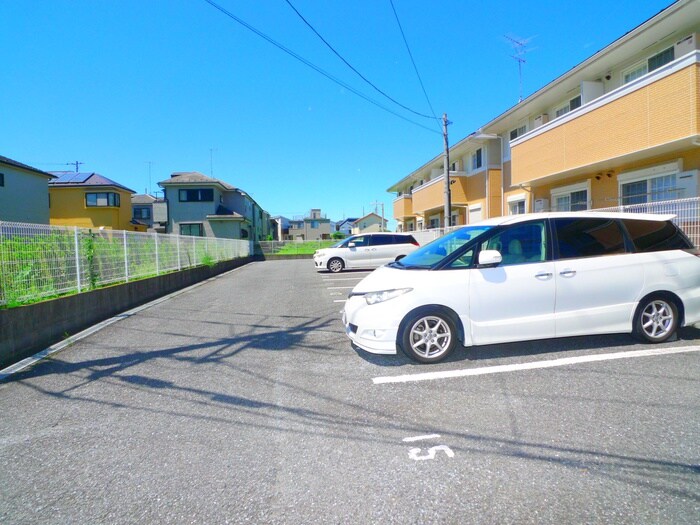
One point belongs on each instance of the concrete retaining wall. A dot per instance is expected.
(26, 330)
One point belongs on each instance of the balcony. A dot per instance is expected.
(656, 114)
(403, 207)
(463, 189)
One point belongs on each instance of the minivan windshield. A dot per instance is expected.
(431, 254)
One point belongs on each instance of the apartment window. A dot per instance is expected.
(516, 207)
(142, 213)
(652, 63)
(477, 161)
(569, 106)
(570, 198)
(515, 133)
(434, 223)
(195, 230)
(197, 195)
(314, 225)
(102, 199)
(654, 189)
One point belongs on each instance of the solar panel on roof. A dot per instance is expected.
(72, 178)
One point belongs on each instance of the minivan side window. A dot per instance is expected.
(381, 240)
(587, 237)
(359, 241)
(655, 236)
(520, 243)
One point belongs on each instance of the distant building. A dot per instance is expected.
(151, 211)
(314, 226)
(281, 227)
(345, 226)
(206, 207)
(369, 223)
(90, 200)
(24, 193)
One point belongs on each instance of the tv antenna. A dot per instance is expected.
(76, 164)
(519, 48)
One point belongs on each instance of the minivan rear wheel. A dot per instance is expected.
(335, 265)
(656, 319)
(428, 336)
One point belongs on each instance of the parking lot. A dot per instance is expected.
(241, 400)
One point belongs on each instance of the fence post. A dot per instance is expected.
(179, 267)
(155, 238)
(77, 257)
(126, 259)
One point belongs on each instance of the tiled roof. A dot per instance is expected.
(71, 179)
(142, 198)
(14, 163)
(194, 177)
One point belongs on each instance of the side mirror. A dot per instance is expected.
(351, 245)
(488, 258)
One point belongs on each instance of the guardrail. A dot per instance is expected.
(38, 261)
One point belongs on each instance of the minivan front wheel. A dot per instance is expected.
(335, 265)
(428, 336)
(656, 319)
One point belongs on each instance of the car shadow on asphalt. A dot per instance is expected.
(530, 348)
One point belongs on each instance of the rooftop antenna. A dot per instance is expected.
(76, 164)
(519, 48)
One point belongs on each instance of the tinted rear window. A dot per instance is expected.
(379, 240)
(655, 236)
(588, 237)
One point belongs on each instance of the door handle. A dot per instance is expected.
(567, 273)
(543, 275)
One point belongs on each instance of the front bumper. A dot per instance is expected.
(372, 328)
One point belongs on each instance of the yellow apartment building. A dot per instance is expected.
(620, 128)
(89, 200)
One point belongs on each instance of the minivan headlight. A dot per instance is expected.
(384, 295)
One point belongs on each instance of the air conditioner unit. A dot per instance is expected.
(541, 205)
(686, 45)
(541, 119)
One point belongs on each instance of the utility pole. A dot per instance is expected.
(76, 163)
(375, 204)
(448, 197)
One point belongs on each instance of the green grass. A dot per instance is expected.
(303, 248)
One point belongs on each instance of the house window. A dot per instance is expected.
(102, 199)
(570, 198)
(652, 63)
(2, 179)
(515, 133)
(314, 225)
(197, 195)
(569, 106)
(142, 213)
(477, 161)
(196, 230)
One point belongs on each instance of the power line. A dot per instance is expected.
(351, 67)
(311, 65)
(415, 68)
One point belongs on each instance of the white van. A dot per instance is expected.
(369, 250)
(527, 277)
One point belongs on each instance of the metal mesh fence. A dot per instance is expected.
(686, 211)
(39, 261)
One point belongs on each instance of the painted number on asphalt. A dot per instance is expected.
(416, 453)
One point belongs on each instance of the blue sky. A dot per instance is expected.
(138, 89)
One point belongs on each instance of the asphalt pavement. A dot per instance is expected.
(242, 401)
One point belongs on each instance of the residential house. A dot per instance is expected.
(314, 226)
(151, 211)
(207, 207)
(281, 227)
(345, 226)
(24, 193)
(622, 127)
(90, 200)
(369, 223)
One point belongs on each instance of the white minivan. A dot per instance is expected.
(527, 277)
(368, 250)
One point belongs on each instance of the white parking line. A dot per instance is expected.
(340, 301)
(340, 288)
(344, 279)
(427, 376)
